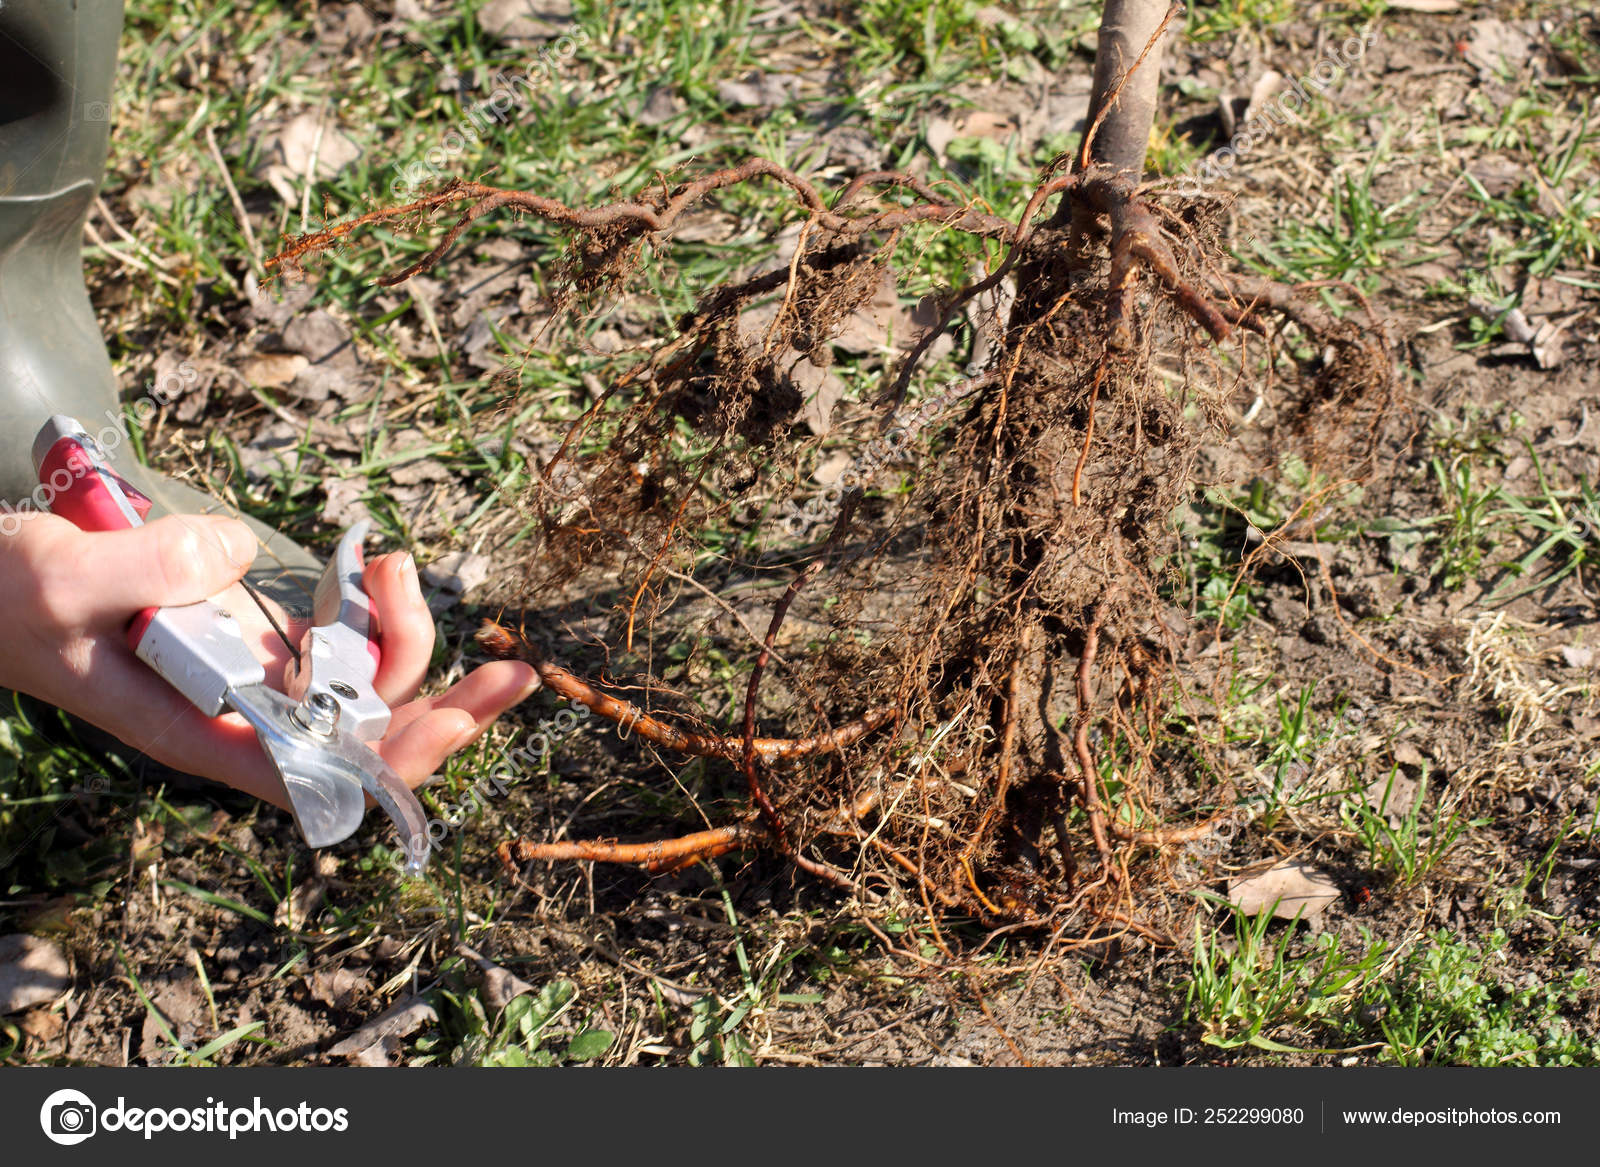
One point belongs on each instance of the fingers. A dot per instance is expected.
(405, 626)
(105, 576)
(420, 747)
(481, 697)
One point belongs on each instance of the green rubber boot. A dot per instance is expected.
(57, 62)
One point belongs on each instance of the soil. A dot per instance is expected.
(1483, 703)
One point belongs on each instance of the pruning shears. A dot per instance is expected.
(315, 732)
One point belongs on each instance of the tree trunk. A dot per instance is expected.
(1126, 27)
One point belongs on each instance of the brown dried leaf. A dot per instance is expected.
(401, 1019)
(273, 370)
(296, 911)
(457, 572)
(821, 390)
(339, 988)
(525, 20)
(1286, 889)
(32, 971)
(500, 987)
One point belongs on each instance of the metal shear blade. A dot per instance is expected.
(328, 773)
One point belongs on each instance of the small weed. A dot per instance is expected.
(1400, 841)
(1210, 21)
(518, 1037)
(1463, 539)
(1360, 234)
(203, 1056)
(1546, 228)
(1565, 525)
(1238, 994)
(716, 1025)
(1445, 1006)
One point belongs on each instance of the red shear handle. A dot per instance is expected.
(83, 490)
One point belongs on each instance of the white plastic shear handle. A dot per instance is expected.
(316, 737)
(199, 650)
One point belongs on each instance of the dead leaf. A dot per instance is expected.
(420, 471)
(379, 1055)
(867, 329)
(43, 1025)
(273, 370)
(1493, 44)
(318, 384)
(293, 146)
(32, 971)
(271, 451)
(757, 90)
(147, 840)
(184, 1013)
(345, 505)
(939, 133)
(1394, 800)
(500, 987)
(1408, 755)
(1577, 656)
(1546, 345)
(832, 468)
(296, 911)
(981, 123)
(525, 20)
(1286, 889)
(276, 306)
(820, 389)
(400, 1020)
(457, 571)
(1263, 91)
(924, 316)
(1425, 5)
(183, 383)
(321, 339)
(339, 988)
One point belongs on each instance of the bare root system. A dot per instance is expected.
(982, 669)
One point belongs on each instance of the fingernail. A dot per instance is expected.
(408, 572)
(465, 738)
(238, 542)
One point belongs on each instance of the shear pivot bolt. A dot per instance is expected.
(319, 713)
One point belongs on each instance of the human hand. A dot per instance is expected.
(73, 593)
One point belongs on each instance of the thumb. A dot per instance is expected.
(178, 559)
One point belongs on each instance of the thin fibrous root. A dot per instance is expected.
(652, 217)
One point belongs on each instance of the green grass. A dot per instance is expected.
(1465, 533)
(1547, 221)
(1449, 1003)
(1260, 989)
(1562, 525)
(1211, 20)
(1399, 841)
(1445, 1001)
(1359, 236)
